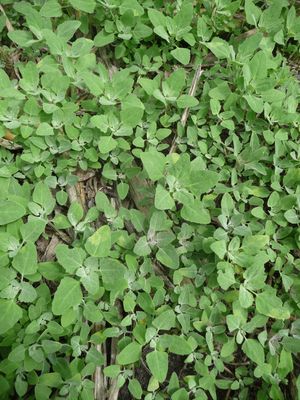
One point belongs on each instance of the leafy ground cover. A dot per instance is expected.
(149, 203)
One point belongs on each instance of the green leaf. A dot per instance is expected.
(202, 181)
(107, 144)
(254, 350)
(10, 314)
(87, 6)
(226, 277)
(194, 211)
(157, 362)
(168, 256)
(219, 248)
(113, 274)
(122, 189)
(68, 295)
(178, 345)
(253, 243)
(267, 303)
(142, 248)
(156, 17)
(165, 320)
(67, 29)
(132, 111)
(51, 379)
(154, 164)
(253, 12)
(291, 344)
(32, 230)
(227, 204)
(163, 199)
(99, 244)
(21, 37)
(43, 196)
(51, 9)
(44, 129)
(186, 101)
(182, 55)
(255, 103)
(70, 259)
(245, 297)
(10, 212)
(220, 48)
(130, 354)
(135, 388)
(25, 260)
(103, 39)
(75, 213)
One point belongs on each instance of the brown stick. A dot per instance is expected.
(186, 111)
(192, 92)
(8, 24)
(99, 389)
(9, 136)
(9, 145)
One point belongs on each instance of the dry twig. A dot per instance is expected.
(7, 144)
(8, 24)
(186, 111)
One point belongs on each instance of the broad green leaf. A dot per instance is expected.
(21, 37)
(201, 181)
(154, 164)
(103, 39)
(10, 212)
(186, 100)
(252, 12)
(43, 196)
(33, 229)
(75, 213)
(142, 248)
(51, 379)
(163, 199)
(255, 103)
(165, 320)
(254, 350)
(67, 29)
(226, 276)
(135, 388)
(44, 129)
(245, 297)
(220, 48)
(68, 295)
(178, 345)
(227, 204)
(132, 111)
(70, 259)
(130, 354)
(168, 256)
(194, 211)
(51, 9)
(219, 248)
(267, 303)
(107, 144)
(182, 55)
(99, 244)
(156, 17)
(10, 314)
(87, 6)
(113, 274)
(25, 260)
(253, 243)
(157, 362)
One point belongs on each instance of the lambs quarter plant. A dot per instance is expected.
(149, 203)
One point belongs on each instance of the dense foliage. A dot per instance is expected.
(149, 203)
